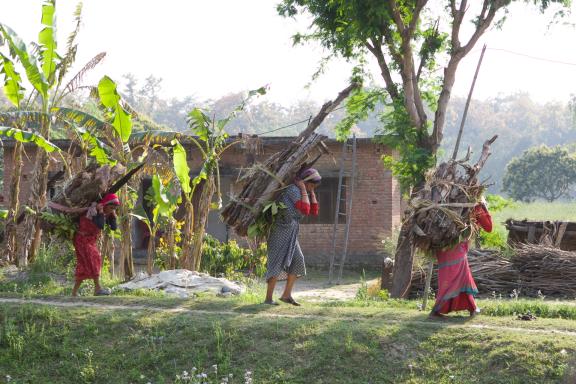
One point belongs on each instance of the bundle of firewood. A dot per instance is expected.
(262, 182)
(440, 212)
(77, 194)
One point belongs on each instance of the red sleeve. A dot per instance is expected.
(483, 217)
(314, 209)
(303, 207)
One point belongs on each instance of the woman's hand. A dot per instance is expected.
(100, 208)
(300, 184)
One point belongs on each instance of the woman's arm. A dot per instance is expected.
(482, 217)
(303, 205)
(314, 207)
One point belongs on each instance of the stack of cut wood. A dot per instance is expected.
(544, 268)
(440, 212)
(491, 271)
(262, 182)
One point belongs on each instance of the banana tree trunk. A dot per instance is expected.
(37, 200)
(11, 254)
(202, 199)
(151, 253)
(170, 239)
(108, 251)
(186, 256)
(126, 262)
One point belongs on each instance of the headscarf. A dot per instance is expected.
(110, 198)
(310, 175)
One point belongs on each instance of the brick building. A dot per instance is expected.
(375, 207)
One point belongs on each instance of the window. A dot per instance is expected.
(327, 194)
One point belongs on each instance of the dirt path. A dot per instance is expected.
(79, 304)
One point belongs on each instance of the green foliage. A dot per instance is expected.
(229, 258)
(47, 39)
(260, 229)
(110, 98)
(29, 137)
(12, 81)
(64, 227)
(541, 172)
(181, 167)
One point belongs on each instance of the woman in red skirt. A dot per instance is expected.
(456, 286)
(88, 259)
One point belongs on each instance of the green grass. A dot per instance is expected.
(52, 345)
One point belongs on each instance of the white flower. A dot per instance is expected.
(142, 377)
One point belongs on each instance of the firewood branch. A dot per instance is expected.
(327, 108)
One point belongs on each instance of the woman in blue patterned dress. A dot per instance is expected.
(285, 258)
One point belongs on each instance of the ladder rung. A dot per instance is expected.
(341, 213)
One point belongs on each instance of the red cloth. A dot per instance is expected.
(307, 209)
(110, 198)
(482, 217)
(88, 259)
(456, 286)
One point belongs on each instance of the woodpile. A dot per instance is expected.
(262, 182)
(440, 212)
(532, 269)
(547, 269)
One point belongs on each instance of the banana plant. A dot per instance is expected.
(211, 139)
(165, 204)
(45, 71)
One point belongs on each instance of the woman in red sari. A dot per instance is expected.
(456, 286)
(88, 259)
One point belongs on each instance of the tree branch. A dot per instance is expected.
(396, 16)
(420, 4)
(376, 50)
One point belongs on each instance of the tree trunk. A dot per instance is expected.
(186, 256)
(37, 200)
(403, 262)
(151, 253)
(170, 240)
(201, 200)
(11, 226)
(108, 251)
(126, 262)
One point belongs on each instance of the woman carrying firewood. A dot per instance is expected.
(456, 286)
(88, 259)
(285, 258)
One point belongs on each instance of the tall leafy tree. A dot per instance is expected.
(541, 173)
(410, 41)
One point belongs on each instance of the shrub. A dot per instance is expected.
(228, 258)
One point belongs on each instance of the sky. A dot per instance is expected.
(209, 48)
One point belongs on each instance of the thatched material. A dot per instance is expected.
(533, 269)
(440, 212)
